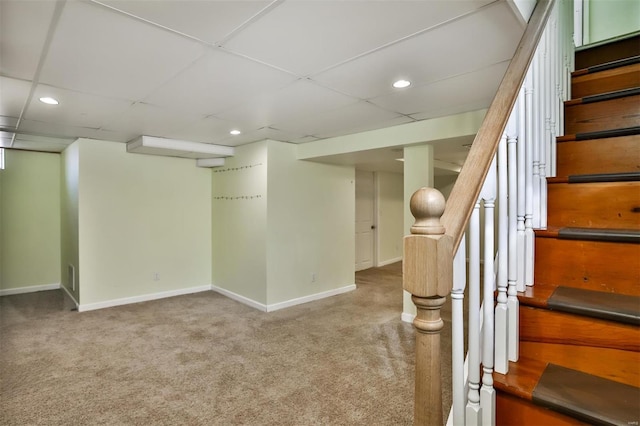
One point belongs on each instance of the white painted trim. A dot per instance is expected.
(66, 290)
(310, 298)
(239, 298)
(407, 317)
(390, 261)
(141, 298)
(29, 289)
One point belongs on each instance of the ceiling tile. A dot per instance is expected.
(102, 52)
(360, 115)
(145, 119)
(23, 30)
(449, 94)
(285, 36)
(14, 94)
(207, 130)
(75, 109)
(41, 128)
(8, 122)
(300, 99)
(209, 21)
(217, 82)
(425, 58)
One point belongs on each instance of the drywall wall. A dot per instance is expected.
(30, 212)
(144, 225)
(69, 222)
(610, 18)
(310, 226)
(390, 221)
(239, 223)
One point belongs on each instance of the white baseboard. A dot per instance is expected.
(66, 290)
(310, 298)
(29, 289)
(238, 298)
(142, 298)
(390, 261)
(286, 304)
(406, 317)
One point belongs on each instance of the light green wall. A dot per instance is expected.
(611, 18)
(141, 215)
(310, 225)
(30, 219)
(390, 221)
(69, 229)
(238, 230)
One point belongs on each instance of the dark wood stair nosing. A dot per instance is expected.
(599, 234)
(620, 308)
(597, 178)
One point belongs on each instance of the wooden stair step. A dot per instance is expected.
(612, 267)
(596, 304)
(605, 114)
(617, 154)
(620, 63)
(602, 80)
(600, 97)
(587, 397)
(611, 133)
(594, 201)
(613, 364)
(607, 51)
(543, 325)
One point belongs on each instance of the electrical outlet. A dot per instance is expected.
(314, 276)
(156, 276)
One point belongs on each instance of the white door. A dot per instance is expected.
(365, 226)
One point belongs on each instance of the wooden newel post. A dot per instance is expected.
(428, 276)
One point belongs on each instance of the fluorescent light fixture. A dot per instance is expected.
(401, 84)
(235, 132)
(49, 101)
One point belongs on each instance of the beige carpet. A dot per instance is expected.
(204, 359)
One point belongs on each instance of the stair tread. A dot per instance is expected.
(596, 177)
(610, 306)
(616, 94)
(607, 66)
(626, 131)
(587, 397)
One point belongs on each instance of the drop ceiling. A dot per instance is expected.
(297, 71)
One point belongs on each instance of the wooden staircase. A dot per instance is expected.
(580, 323)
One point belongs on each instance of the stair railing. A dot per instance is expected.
(504, 176)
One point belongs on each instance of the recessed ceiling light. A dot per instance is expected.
(401, 84)
(235, 132)
(49, 101)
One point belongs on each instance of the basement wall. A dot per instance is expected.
(29, 222)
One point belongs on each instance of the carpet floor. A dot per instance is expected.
(204, 359)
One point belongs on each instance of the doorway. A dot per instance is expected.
(365, 220)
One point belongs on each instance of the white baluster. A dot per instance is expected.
(528, 215)
(457, 333)
(502, 312)
(473, 411)
(535, 78)
(487, 393)
(521, 253)
(546, 90)
(512, 276)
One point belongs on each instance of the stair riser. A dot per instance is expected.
(604, 115)
(541, 325)
(516, 411)
(608, 155)
(626, 77)
(608, 205)
(612, 364)
(592, 265)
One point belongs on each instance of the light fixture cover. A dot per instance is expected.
(49, 100)
(401, 84)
